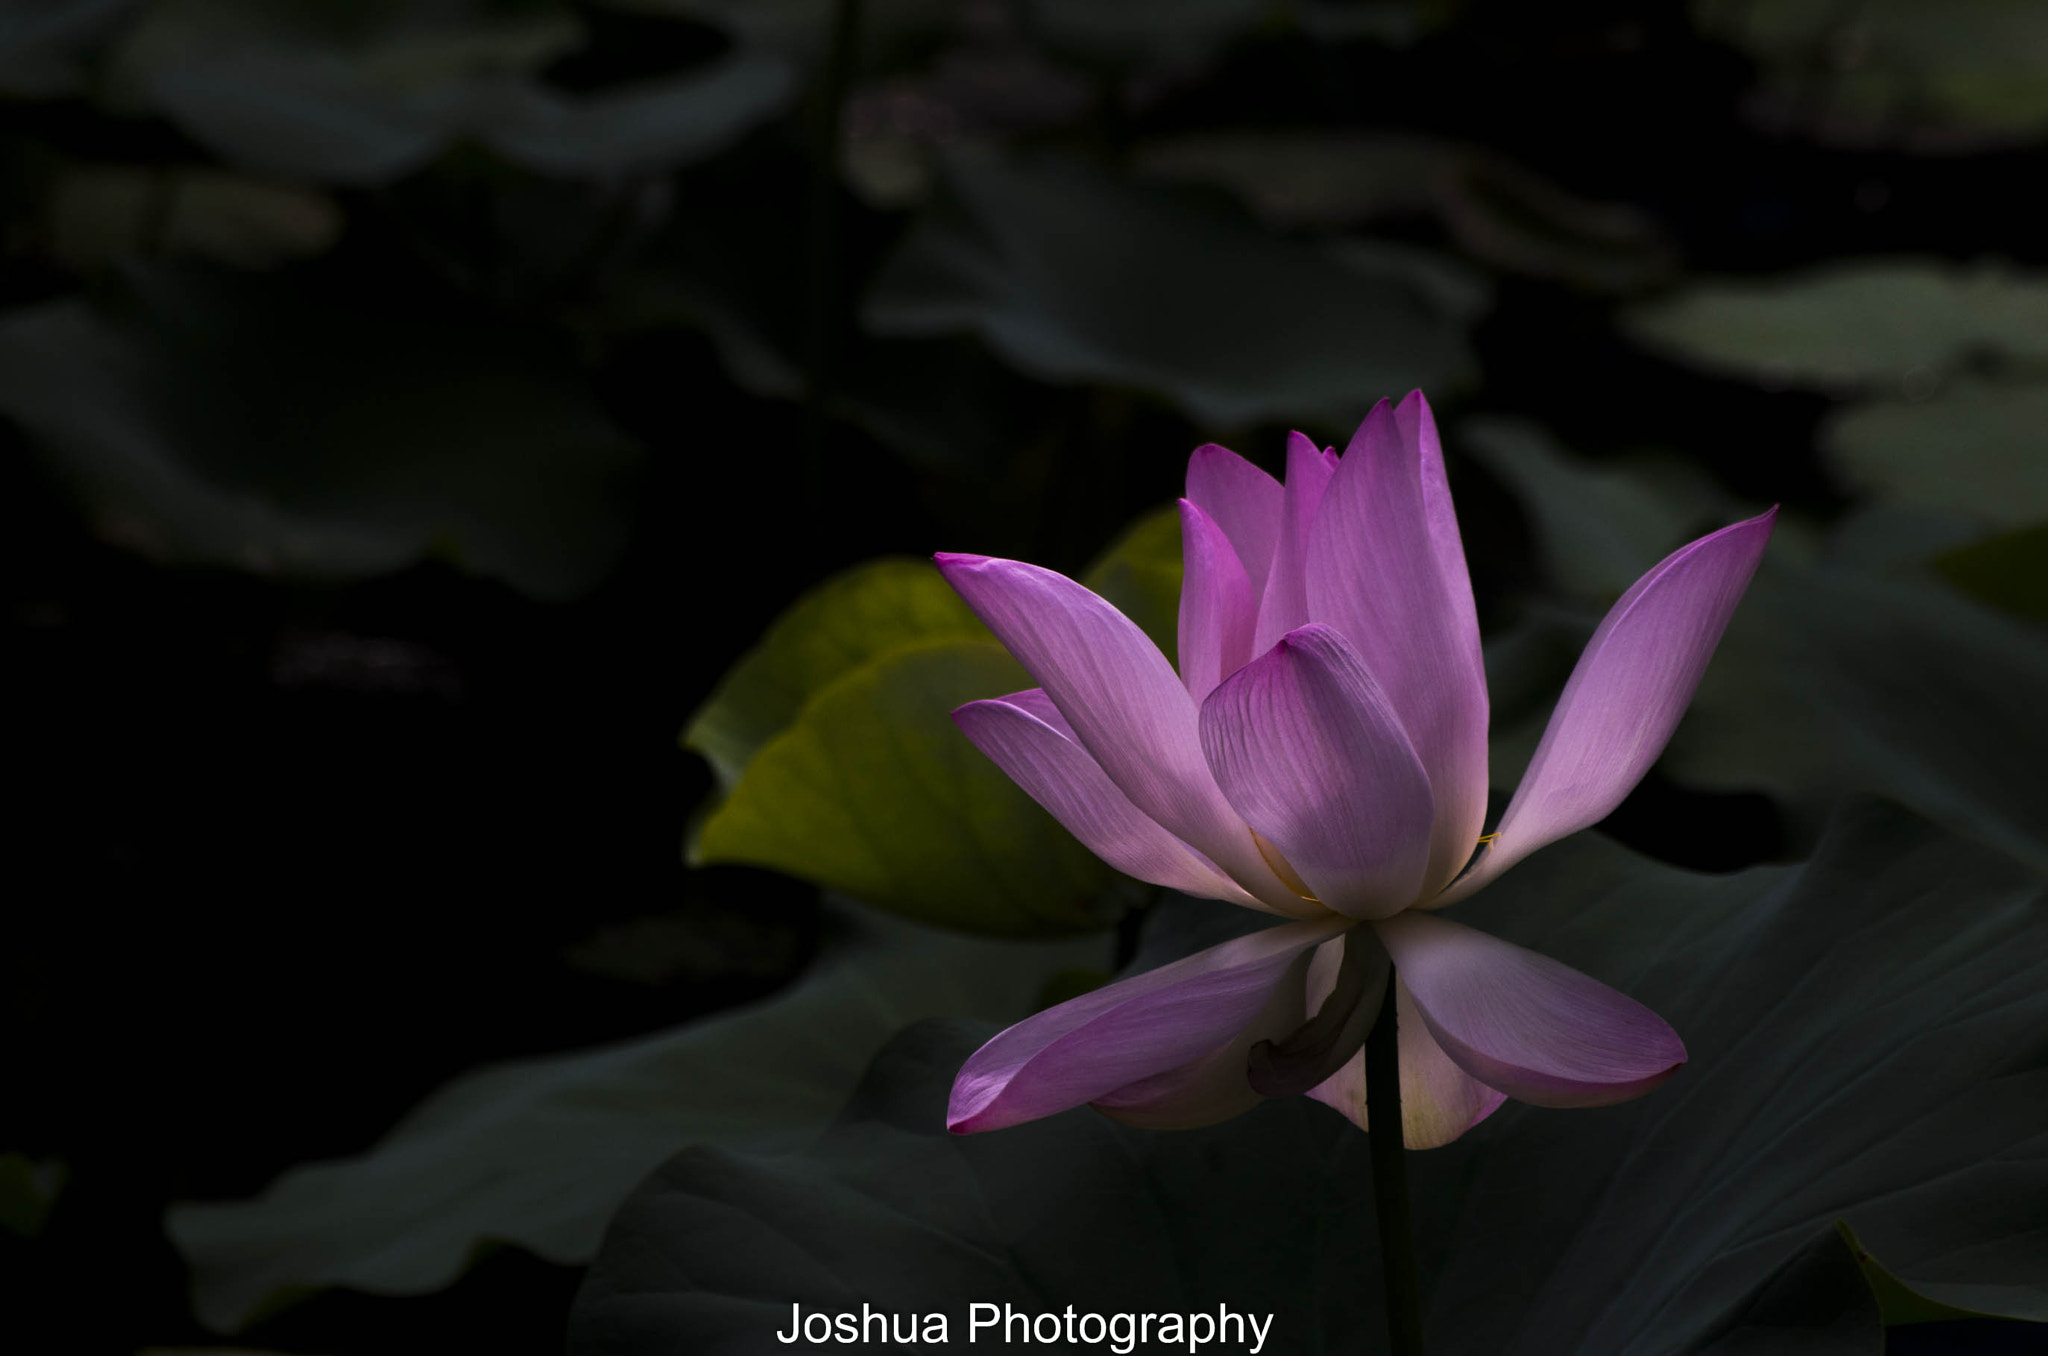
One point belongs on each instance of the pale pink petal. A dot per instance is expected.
(1243, 500)
(1027, 738)
(1217, 1085)
(1306, 748)
(1439, 1100)
(1386, 567)
(1626, 695)
(1284, 603)
(1217, 606)
(1091, 1046)
(1527, 1025)
(1124, 703)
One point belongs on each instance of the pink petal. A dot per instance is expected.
(1027, 738)
(1524, 1024)
(1217, 1085)
(1386, 567)
(1217, 607)
(1091, 1046)
(1124, 703)
(1625, 697)
(1243, 500)
(1439, 1100)
(1284, 603)
(1307, 749)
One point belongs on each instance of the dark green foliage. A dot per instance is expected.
(1885, 996)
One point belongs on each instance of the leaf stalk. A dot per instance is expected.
(1390, 1180)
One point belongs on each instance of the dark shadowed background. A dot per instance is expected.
(409, 412)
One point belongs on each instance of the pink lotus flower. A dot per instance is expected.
(1322, 756)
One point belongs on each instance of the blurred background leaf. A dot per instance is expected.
(1993, 435)
(834, 629)
(538, 1153)
(366, 94)
(838, 760)
(1887, 325)
(305, 430)
(45, 44)
(1892, 71)
(1074, 276)
(873, 792)
(1499, 212)
(28, 1189)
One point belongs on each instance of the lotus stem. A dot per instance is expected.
(1390, 1181)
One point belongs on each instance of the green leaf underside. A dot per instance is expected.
(539, 1152)
(879, 606)
(849, 620)
(840, 763)
(875, 793)
(1866, 1044)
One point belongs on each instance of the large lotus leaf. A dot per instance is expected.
(1497, 210)
(539, 1152)
(1844, 325)
(45, 44)
(873, 792)
(1075, 276)
(365, 95)
(1975, 448)
(1935, 76)
(298, 426)
(1866, 1043)
(849, 620)
(1817, 1302)
(1829, 678)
